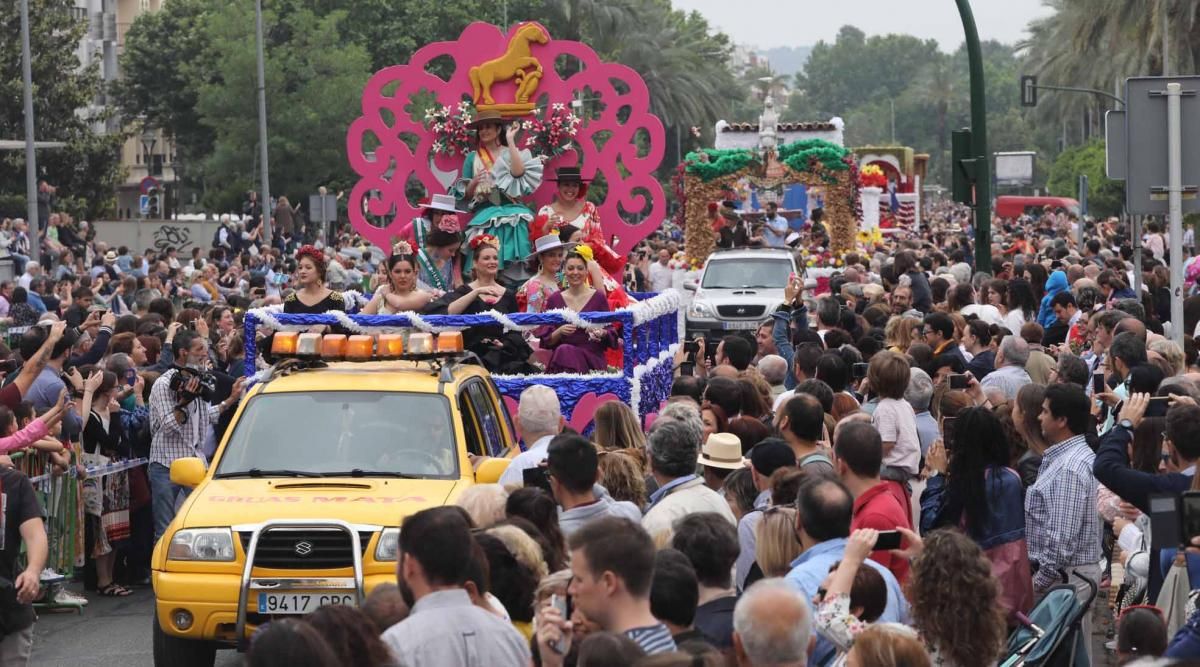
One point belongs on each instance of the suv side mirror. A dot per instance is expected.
(489, 470)
(691, 285)
(187, 472)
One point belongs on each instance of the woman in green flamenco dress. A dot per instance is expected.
(496, 178)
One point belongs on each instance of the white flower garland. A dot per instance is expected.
(668, 302)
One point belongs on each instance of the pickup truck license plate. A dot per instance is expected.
(752, 324)
(300, 603)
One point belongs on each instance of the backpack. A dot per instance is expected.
(816, 457)
(216, 241)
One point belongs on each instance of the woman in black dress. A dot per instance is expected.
(501, 351)
(106, 499)
(312, 296)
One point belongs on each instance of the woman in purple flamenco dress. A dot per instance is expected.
(575, 349)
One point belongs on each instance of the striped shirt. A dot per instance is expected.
(171, 440)
(653, 639)
(1061, 522)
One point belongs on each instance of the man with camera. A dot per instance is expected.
(181, 416)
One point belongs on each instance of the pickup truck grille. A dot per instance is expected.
(741, 311)
(307, 549)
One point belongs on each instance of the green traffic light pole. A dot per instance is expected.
(983, 180)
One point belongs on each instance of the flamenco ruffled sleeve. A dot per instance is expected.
(517, 187)
(459, 189)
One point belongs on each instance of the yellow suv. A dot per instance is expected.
(301, 503)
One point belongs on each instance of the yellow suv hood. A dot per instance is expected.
(384, 502)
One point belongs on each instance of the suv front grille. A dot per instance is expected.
(741, 311)
(305, 549)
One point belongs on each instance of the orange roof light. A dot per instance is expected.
(333, 347)
(359, 348)
(420, 343)
(309, 345)
(391, 346)
(450, 341)
(284, 343)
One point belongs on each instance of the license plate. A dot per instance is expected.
(300, 603)
(741, 326)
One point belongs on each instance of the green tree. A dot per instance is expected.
(856, 69)
(392, 31)
(313, 76)
(165, 62)
(87, 170)
(1096, 43)
(684, 62)
(938, 87)
(1105, 197)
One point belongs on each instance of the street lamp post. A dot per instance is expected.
(149, 141)
(265, 202)
(35, 225)
(979, 149)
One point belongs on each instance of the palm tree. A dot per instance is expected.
(937, 85)
(1094, 43)
(588, 20)
(763, 80)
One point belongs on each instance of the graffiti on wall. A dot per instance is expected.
(171, 236)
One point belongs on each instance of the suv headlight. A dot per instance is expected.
(701, 310)
(211, 544)
(388, 547)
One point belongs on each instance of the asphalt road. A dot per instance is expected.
(110, 632)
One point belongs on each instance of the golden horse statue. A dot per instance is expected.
(517, 63)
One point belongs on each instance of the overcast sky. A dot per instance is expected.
(771, 23)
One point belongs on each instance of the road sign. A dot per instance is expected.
(322, 209)
(1029, 91)
(1115, 145)
(1146, 144)
(1015, 168)
(144, 204)
(148, 183)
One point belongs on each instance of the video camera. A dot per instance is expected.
(208, 385)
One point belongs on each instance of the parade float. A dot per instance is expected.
(799, 166)
(413, 140)
(893, 200)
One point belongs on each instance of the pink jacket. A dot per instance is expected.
(25, 437)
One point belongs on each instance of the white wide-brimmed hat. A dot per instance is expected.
(441, 203)
(722, 450)
(547, 243)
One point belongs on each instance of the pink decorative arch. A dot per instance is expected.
(389, 119)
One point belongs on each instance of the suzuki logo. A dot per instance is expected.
(303, 548)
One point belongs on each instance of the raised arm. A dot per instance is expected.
(515, 164)
(34, 365)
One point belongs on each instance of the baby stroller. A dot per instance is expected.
(1052, 634)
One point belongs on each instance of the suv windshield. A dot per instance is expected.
(761, 273)
(343, 432)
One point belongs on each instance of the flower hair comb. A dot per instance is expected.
(449, 223)
(484, 239)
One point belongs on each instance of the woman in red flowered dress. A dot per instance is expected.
(578, 221)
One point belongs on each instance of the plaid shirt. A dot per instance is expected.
(170, 439)
(1061, 523)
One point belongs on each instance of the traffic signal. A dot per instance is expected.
(155, 204)
(962, 167)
